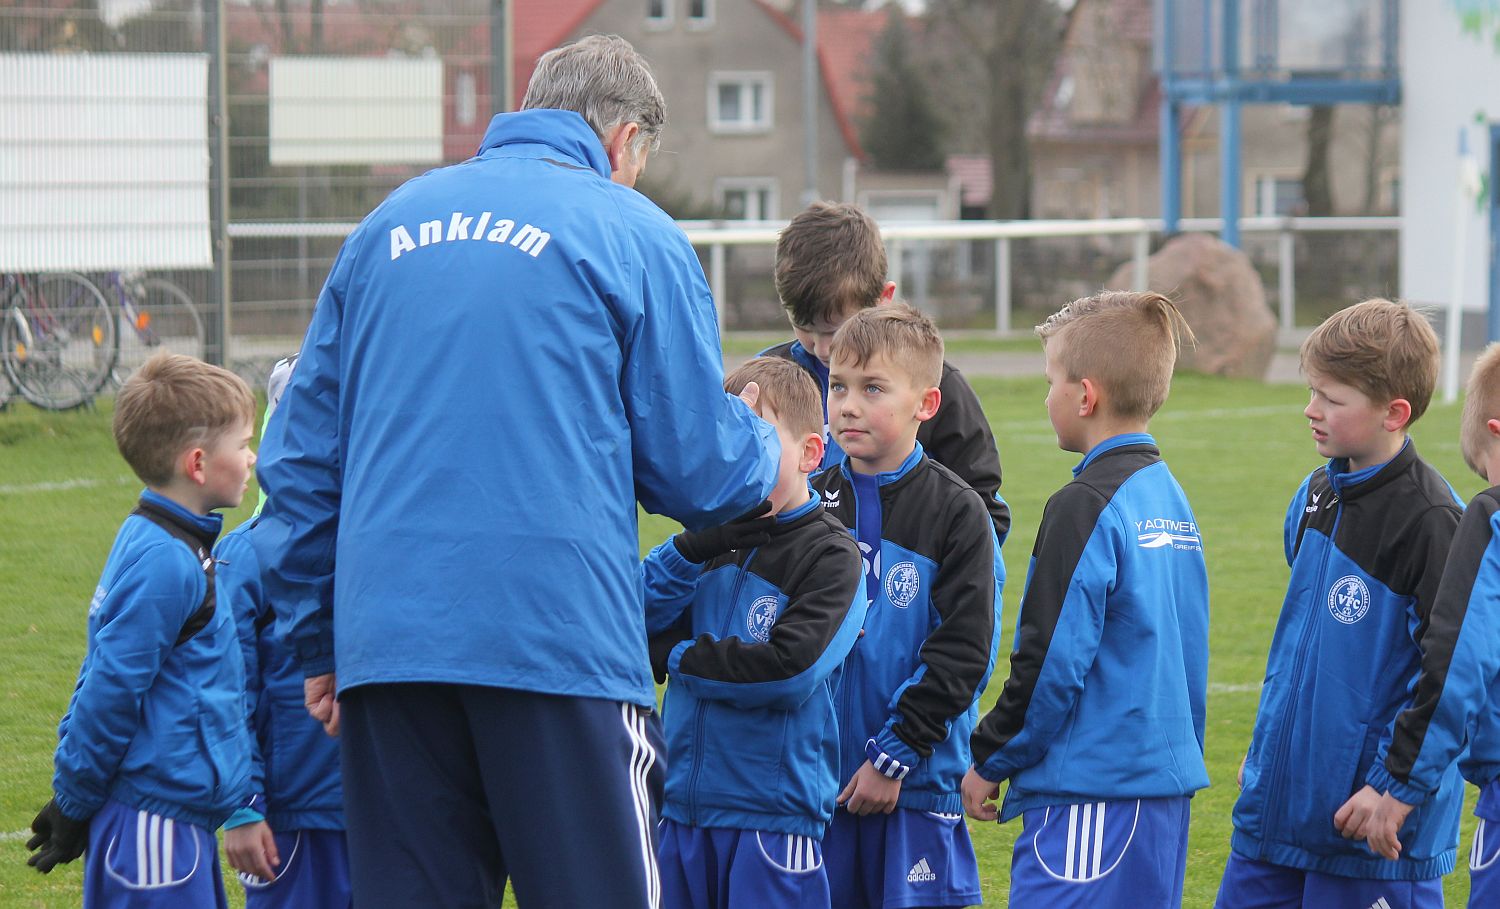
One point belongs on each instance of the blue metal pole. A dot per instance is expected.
(1229, 126)
(1171, 167)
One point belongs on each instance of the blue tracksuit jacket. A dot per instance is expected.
(1109, 675)
(509, 353)
(910, 692)
(154, 724)
(1336, 710)
(749, 710)
(294, 764)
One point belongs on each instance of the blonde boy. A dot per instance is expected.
(153, 753)
(759, 616)
(1100, 726)
(1346, 726)
(908, 698)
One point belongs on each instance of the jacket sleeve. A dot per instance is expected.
(959, 437)
(814, 632)
(700, 456)
(1073, 569)
(237, 585)
(670, 581)
(301, 470)
(1458, 631)
(138, 621)
(958, 653)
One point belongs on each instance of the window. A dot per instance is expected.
(1278, 196)
(700, 13)
(658, 13)
(752, 199)
(739, 102)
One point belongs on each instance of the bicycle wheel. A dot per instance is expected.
(164, 319)
(58, 341)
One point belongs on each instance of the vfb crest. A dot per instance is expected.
(762, 616)
(902, 583)
(1349, 599)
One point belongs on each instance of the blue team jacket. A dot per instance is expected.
(294, 764)
(508, 354)
(749, 711)
(1109, 674)
(154, 724)
(910, 692)
(1367, 551)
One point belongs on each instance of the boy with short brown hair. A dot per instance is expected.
(908, 699)
(831, 264)
(1103, 712)
(153, 753)
(1346, 712)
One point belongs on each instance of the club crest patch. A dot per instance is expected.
(1349, 599)
(761, 617)
(902, 584)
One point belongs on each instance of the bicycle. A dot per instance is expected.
(159, 315)
(58, 338)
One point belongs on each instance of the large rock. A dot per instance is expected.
(1221, 296)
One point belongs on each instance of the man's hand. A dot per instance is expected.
(870, 791)
(753, 528)
(1241, 778)
(750, 394)
(979, 795)
(318, 697)
(251, 848)
(59, 839)
(1375, 818)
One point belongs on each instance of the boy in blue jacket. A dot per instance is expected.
(152, 755)
(908, 699)
(772, 605)
(1345, 717)
(289, 841)
(1100, 726)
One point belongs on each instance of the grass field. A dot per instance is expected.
(1238, 448)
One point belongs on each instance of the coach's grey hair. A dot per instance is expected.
(603, 78)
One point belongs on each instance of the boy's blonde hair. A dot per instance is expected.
(1126, 341)
(1386, 350)
(1481, 405)
(829, 259)
(907, 338)
(785, 388)
(173, 403)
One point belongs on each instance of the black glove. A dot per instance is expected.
(753, 528)
(59, 838)
(661, 648)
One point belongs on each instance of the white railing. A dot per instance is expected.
(719, 235)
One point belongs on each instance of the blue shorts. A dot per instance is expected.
(314, 871)
(141, 860)
(1101, 854)
(1249, 884)
(711, 868)
(901, 860)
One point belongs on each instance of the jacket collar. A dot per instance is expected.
(805, 513)
(560, 130)
(1352, 485)
(889, 476)
(205, 527)
(1110, 444)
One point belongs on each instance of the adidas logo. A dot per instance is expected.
(1380, 904)
(920, 873)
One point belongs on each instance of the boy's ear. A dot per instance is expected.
(812, 453)
(1397, 415)
(192, 463)
(1088, 405)
(1493, 427)
(928, 406)
(887, 293)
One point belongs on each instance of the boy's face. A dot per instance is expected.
(1064, 399)
(1346, 423)
(874, 409)
(227, 461)
(818, 337)
(800, 456)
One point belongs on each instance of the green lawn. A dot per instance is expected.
(1238, 448)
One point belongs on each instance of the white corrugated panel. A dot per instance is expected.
(103, 162)
(356, 110)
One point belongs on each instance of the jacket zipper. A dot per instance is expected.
(700, 716)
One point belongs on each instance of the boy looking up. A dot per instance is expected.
(772, 606)
(830, 264)
(1100, 726)
(289, 841)
(1366, 537)
(153, 755)
(907, 702)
